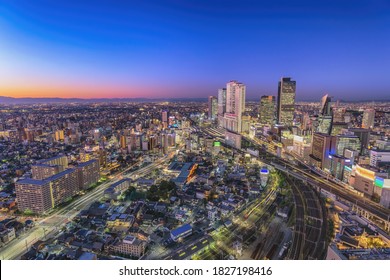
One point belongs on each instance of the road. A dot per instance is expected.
(51, 225)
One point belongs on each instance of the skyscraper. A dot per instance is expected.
(325, 117)
(164, 118)
(221, 105)
(235, 106)
(368, 118)
(221, 101)
(322, 147)
(286, 101)
(267, 110)
(213, 107)
(325, 108)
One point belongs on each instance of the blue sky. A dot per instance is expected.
(192, 48)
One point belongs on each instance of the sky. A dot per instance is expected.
(177, 48)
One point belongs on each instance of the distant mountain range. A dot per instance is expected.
(32, 100)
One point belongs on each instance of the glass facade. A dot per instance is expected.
(286, 101)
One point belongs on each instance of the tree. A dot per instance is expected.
(330, 232)
(28, 212)
(128, 194)
(163, 191)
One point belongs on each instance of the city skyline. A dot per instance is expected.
(70, 50)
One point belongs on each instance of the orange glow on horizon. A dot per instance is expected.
(84, 92)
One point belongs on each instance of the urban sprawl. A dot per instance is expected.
(223, 179)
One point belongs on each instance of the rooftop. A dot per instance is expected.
(182, 229)
(83, 164)
(29, 181)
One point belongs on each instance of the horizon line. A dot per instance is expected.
(65, 99)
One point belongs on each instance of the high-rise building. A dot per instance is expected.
(325, 107)
(368, 118)
(286, 101)
(325, 117)
(364, 136)
(339, 114)
(89, 173)
(342, 142)
(64, 186)
(221, 105)
(221, 101)
(43, 171)
(41, 195)
(57, 160)
(322, 147)
(33, 195)
(47, 190)
(235, 106)
(164, 118)
(123, 141)
(102, 155)
(59, 135)
(213, 107)
(306, 122)
(267, 110)
(48, 167)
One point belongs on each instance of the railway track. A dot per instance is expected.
(310, 223)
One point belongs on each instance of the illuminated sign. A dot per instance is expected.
(217, 144)
(365, 172)
(379, 182)
(347, 168)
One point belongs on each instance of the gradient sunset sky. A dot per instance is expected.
(179, 48)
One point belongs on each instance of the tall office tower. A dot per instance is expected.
(164, 118)
(286, 101)
(325, 117)
(306, 123)
(368, 118)
(221, 101)
(322, 147)
(235, 106)
(267, 110)
(325, 108)
(213, 107)
(221, 105)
